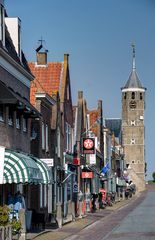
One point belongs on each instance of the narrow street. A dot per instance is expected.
(134, 220)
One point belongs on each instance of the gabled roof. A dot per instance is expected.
(48, 78)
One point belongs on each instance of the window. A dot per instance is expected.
(43, 136)
(1, 113)
(10, 117)
(141, 96)
(47, 145)
(43, 195)
(133, 95)
(124, 95)
(58, 142)
(24, 124)
(18, 121)
(132, 141)
(133, 123)
(68, 137)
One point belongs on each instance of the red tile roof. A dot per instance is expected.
(47, 78)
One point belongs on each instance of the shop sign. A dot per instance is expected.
(92, 158)
(48, 161)
(87, 174)
(76, 161)
(88, 145)
(75, 187)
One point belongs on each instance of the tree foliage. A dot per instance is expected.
(153, 175)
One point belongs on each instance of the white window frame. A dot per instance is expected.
(43, 135)
(47, 142)
(133, 123)
(1, 113)
(45, 195)
(58, 142)
(25, 124)
(18, 121)
(68, 137)
(10, 117)
(132, 141)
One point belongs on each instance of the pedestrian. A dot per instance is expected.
(10, 205)
(19, 203)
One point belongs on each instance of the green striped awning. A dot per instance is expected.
(22, 168)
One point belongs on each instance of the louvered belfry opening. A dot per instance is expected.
(41, 55)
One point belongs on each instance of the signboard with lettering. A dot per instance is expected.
(87, 174)
(48, 161)
(88, 145)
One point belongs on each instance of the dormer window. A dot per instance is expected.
(133, 95)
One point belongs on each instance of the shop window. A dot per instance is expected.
(1, 113)
(10, 117)
(43, 196)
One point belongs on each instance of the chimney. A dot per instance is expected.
(14, 28)
(2, 24)
(80, 94)
(99, 104)
(66, 58)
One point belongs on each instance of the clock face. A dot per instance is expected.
(132, 104)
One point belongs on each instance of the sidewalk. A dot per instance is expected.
(73, 227)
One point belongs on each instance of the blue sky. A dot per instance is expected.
(98, 35)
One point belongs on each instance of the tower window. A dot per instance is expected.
(133, 123)
(124, 95)
(141, 96)
(133, 95)
(132, 141)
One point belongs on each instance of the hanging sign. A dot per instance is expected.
(87, 174)
(88, 145)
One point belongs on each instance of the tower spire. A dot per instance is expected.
(133, 57)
